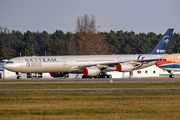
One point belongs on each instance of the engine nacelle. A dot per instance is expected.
(91, 71)
(124, 67)
(57, 74)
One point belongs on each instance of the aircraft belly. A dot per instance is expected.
(172, 69)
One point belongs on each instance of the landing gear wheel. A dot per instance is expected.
(109, 76)
(171, 76)
(86, 76)
(83, 76)
(19, 77)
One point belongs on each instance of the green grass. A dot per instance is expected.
(131, 105)
(109, 105)
(91, 85)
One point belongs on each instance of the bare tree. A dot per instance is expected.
(86, 24)
(4, 30)
(90, 40)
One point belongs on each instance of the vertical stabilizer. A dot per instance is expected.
(162, 45)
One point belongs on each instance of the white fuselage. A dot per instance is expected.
(72, 64)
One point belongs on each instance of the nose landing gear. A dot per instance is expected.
(171, 75)
(18, 75)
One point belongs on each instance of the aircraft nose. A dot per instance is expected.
(7, 66)
(161, 63)
(11, 67)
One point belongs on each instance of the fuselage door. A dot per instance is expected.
(119, 59)
(64, 61)
(89, 61)
(173, 59)
(21, 62)
(149, 57)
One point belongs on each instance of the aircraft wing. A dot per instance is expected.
(135, 62)
(112, 64)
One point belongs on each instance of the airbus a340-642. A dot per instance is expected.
(88, 65)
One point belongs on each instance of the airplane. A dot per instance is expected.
(171, 63)
(91, 66)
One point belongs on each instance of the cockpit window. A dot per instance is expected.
(162, 59)
(9, 62)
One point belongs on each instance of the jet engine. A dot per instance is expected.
(57, 74)
(124, 67)
(91, 71)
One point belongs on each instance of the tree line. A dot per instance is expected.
(87, 40)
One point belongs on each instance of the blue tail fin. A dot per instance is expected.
(162, 45)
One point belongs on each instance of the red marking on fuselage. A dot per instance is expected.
(160, 63)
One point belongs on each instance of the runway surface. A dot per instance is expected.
(102, 80)
(73, 81)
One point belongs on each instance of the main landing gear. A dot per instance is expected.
(99, 76)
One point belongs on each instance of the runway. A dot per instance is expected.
(86, 81)
(102, 80)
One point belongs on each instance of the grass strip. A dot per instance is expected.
(90, 85)
(114, 105)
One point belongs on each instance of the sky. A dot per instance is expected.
(140, 16)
